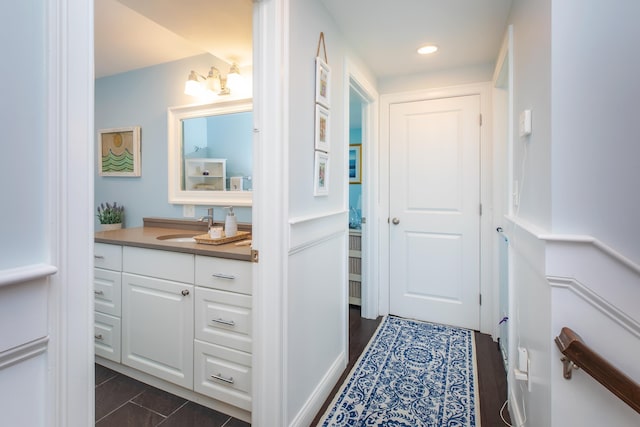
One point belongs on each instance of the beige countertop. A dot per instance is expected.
(147, 237)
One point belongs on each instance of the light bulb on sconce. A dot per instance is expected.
(212, 82)
(215, 84)
(192, 86)
(234, 79)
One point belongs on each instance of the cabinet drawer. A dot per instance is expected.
(106, 332)
(162, 264)
(223, 374)
(107, 256)
(225, 274)
(107, 285)
(223, 318)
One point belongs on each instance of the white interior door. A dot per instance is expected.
(434, 237)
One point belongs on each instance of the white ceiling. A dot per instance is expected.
(387, 34)
(131, 34)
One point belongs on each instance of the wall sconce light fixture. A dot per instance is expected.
(215, 84)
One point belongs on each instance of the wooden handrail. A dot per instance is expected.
(578, 354)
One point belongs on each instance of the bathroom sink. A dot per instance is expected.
(178, 238)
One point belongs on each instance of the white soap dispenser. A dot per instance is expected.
(230, 223)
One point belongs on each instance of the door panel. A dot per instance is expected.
(435, 199)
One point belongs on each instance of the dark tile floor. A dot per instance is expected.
(122, 401)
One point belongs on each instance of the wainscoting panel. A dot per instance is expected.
(595, 292)
(24, 311)
(317, 315)
(308, 231)
(24, 340)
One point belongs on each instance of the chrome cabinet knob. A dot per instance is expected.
(185, 292)
(395, 221)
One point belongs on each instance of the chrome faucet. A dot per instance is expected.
(208, 217)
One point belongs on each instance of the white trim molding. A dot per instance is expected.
(23, 352)
(597, 267)
(270, 204)
(70, 158)
(305, 232)
(356, 79)
(315, 401)
(597, 302)
(26, 273)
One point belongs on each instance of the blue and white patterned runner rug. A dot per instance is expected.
(411, 374)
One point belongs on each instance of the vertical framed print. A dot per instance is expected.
(323, 83)
(355, 164)
(321, 174)
(119, 151)
(322, 129)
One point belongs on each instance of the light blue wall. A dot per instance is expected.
(230, 137)
(227, 136)
(141, 98)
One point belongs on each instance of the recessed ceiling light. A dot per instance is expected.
(426, 50)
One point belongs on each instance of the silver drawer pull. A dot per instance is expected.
(98, 292)
(185, 292)
(225, 322)
(98, 256)
(224, 276)
(221, 378)
(98, 337)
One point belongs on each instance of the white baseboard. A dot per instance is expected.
(311, 407)
(517, 418)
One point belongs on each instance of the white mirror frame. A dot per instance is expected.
(176, 163)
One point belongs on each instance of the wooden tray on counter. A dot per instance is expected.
(205, 239)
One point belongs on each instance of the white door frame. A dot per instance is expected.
(270, 211)
(70, 137)
(487, 309)
(356, 79)
(503, 173)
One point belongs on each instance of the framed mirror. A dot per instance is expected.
(210, 153)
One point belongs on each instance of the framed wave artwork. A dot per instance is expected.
(119, 151)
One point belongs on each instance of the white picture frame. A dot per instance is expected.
(355, 164)
(321, 174)
(119, 151)
(322, 129)
(323, 83)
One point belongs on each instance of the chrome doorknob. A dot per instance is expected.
(395, 221)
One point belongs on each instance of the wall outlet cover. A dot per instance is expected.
(188, 211)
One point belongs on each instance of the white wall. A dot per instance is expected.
(23, 86)
(46, 350)
(24, 229)
(574, 252)
(595, 144)
(531, 163)
(436, 79)
(316, 291)
(594, 178)
(532, 90)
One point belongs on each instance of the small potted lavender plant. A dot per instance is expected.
(110, 216)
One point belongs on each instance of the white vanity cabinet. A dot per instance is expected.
(223, 341)
(178, 321)
(107, 281)
(157, 313)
